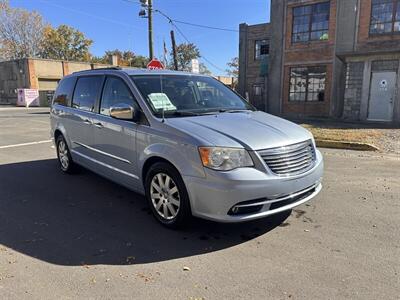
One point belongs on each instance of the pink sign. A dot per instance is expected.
(28, 97)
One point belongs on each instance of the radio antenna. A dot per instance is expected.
(162, 108)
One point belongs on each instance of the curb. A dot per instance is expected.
(346, 145)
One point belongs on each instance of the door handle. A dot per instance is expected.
(87, 121)
(98, 125)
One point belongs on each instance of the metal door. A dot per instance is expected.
(382, 95)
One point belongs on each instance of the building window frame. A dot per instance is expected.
(308, 82)
(395, 18)
(310, 31)
(258, 44)
(258, 89)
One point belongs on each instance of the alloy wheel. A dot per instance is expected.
(165, 196)
(63, 154)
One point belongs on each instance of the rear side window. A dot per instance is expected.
(86, 93)
(64, 91)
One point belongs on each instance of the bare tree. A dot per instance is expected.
(21, 32)
(233, 66)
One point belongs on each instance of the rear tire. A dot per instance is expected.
(167, 195)
(64, 156)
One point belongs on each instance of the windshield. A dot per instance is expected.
(181, 95)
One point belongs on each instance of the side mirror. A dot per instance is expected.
(123, 112)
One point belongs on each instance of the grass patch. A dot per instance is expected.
(345, 134)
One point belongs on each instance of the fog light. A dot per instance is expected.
(235, 210)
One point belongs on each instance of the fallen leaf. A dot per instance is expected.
(130, 259)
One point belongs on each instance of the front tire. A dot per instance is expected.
(64, 156)
(167, 195)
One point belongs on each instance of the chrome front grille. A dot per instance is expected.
(290, 160)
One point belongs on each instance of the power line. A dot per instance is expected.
(131, 1)
(205, 26)
(172, 22)
(189, 23)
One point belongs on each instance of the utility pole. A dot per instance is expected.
(150, 11)
(147, 5)
(174, 50)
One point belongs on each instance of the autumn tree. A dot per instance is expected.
(65, 43)
(125, 58)
(185, 52)
(128, 58)
(21, 32)
(233, 67)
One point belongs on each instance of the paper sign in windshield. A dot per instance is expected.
(161, 100)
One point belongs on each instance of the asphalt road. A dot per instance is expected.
(81, 236)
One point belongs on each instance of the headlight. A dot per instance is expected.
(225, 159)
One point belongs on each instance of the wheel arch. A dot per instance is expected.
(184, 159)
(60, 130)
(57, 133)
(153, 160)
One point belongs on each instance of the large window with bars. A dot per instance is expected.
(385, 17)
(307, 84)
(311, 22)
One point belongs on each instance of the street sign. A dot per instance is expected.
(195, 66)
(155, 64)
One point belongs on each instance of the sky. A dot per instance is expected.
(115, 24)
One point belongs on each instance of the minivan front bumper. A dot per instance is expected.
(246, 194)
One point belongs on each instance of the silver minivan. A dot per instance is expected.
(189, 143)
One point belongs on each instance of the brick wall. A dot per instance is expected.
(33, 79)
(13, 75)
(65, 68)
(312, 53)
(249, 67)
(353, 90)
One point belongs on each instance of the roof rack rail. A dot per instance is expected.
(95, 69)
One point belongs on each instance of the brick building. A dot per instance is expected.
(33, 73)
(254, 45)
(337, 58)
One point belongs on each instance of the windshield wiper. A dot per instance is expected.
(179, 113)
(231, 111)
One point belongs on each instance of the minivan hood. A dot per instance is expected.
(251, 130)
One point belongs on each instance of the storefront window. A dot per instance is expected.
(307, 84)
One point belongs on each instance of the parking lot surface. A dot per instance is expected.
(81, 236)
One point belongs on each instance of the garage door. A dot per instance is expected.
(48, 84)
(46, 90)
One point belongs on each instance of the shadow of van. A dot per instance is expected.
(85, 219)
